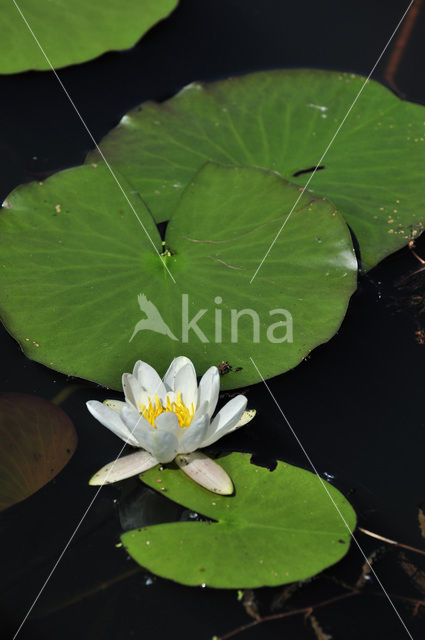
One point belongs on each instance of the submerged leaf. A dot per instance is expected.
(38, 439)
(279, 527)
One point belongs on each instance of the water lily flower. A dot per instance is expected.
(168, 420)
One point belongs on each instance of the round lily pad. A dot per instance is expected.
(285, 120)
(73, 31)
(279, 527)
(38, 439)
(84, 291)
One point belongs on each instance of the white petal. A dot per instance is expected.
(226, 419)
(137, 425)
(148, 380)
(205, 472)
(173, 369)
(168, 421)
(144, 400)
(110, 419)
(124, 467)
(209, 388)
(185, 382)
(200, 410)
(195, 434)
(116, 405)
(163, 445)
(247, 416)
(131, 388)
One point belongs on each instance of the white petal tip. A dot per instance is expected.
(226, 490)
(100, 477)
(93, 482)
(246, 417)
(116, 405)
(205, 472)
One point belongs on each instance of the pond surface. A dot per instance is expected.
(355, 403)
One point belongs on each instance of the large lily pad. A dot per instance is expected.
(79, 276)
(284, 120)
(73, 31)
(37, 441)
(279, 527)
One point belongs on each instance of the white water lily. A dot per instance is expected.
(168, 420)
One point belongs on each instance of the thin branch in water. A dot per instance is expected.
(287, 592)
(421, 520)
(307, 611)
(416, 575)
(250, 604)
(417, 256)
(93, 591)
(318, 631)
(389, 541)
(401, 282)
(366, 569)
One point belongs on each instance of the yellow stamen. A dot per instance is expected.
(184, 414)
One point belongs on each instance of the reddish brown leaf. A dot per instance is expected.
(37, 440)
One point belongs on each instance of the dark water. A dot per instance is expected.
(355, 403)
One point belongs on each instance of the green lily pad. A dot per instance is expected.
(81, 284)
(279, 527)
(73, 31)
(38, 439)
(284, 120)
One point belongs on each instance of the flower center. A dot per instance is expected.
(153, 410)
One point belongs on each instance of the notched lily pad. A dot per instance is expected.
(38, 439)
(284, 120)
(84, 291)
(73, 31)
(279, 527)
